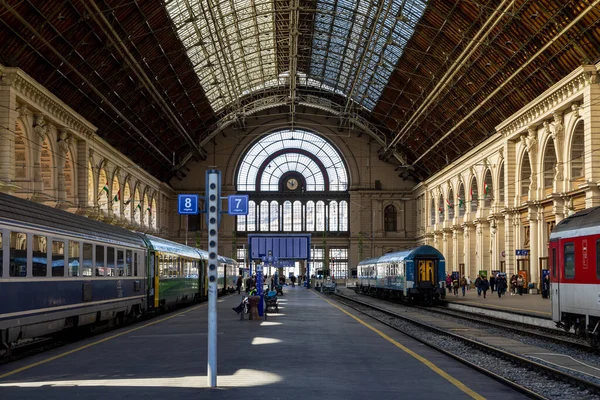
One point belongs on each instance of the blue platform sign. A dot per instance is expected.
(238, 204)
(188, 204)
(521, 253)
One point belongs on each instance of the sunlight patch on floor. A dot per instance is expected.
(264, 340)
(241, 378)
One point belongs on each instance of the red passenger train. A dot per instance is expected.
(574, 259)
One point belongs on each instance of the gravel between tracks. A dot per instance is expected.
(532, 380)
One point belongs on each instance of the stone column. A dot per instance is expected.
(455, 248)
(63, 144)
(557, 132)
(479, 248)
(445, 250)
(590, 112)
(509, 244)
(510, 174)
(8, 117)
(469, 250)
(534, 251)
(81, 171)
(40, 130)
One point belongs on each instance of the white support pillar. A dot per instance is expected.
(534, 253)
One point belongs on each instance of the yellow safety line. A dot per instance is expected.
(422, 359)
(35, 364)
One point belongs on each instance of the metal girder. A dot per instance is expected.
(310, 101)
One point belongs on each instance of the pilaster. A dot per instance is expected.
(534, 251)
(8, 117)
(510, 226)
(590, 112)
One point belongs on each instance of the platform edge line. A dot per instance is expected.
(56, 357)
(464, 388)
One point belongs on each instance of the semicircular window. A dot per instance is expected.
(297, 182)
(292, 151)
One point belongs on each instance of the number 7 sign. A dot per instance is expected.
(238, 204)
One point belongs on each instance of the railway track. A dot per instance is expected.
(556, 336)
(522, 374)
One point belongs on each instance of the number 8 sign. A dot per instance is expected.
(188, 203)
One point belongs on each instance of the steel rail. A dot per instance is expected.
(513, 358)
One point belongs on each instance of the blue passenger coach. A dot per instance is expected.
(59, 270)
(414, 275)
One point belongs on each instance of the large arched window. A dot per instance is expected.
(299, 182)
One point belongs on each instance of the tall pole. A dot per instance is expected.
(213, 201)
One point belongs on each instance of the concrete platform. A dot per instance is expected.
(528, 309)
(312, 349)
(527, 304)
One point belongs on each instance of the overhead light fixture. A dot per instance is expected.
(534, 15)
(191, 19)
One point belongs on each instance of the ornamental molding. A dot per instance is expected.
(35, 95)
(555, 97)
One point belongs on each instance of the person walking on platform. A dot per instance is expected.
(449, 283)
(238, 283)
(468, 283)
(478, 286)
(485, 285)
(455, 287)
(493, 283)
(463, 285)
(520, 285)
(513, 285)
(545, 287)
(500, 285)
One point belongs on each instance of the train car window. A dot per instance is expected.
(128, 269)
(40, 255)
(597, 259)
(110, 261)
(86, 268)
(135, 264)
(120, 263)
(73, 269)
(100, 270)
(569, 261)
(58, 258)
(1, 256)
(18, 254)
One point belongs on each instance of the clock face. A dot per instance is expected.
(292, 184)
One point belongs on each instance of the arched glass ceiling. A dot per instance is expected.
(356, 44)
(283, 151)
(237, 47)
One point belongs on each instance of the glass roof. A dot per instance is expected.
(355, 39)
(280, 152)
(233, 45)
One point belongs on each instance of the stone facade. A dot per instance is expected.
(541, 165)
(51, 154)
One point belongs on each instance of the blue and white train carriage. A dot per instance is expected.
(414, 275)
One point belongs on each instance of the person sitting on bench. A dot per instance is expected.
(239, 308)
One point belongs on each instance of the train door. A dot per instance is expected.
(426, 274)
(152, 289)
(554, 279)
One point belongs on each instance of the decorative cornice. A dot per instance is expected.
(35, 95)
(548, 101)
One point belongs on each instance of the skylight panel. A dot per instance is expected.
(342, 55)
(230, 43)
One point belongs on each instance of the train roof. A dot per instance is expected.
(399, 256)
(14, 210)
(167, 246)
(582, 223)
(227, 260)
(368, 261)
